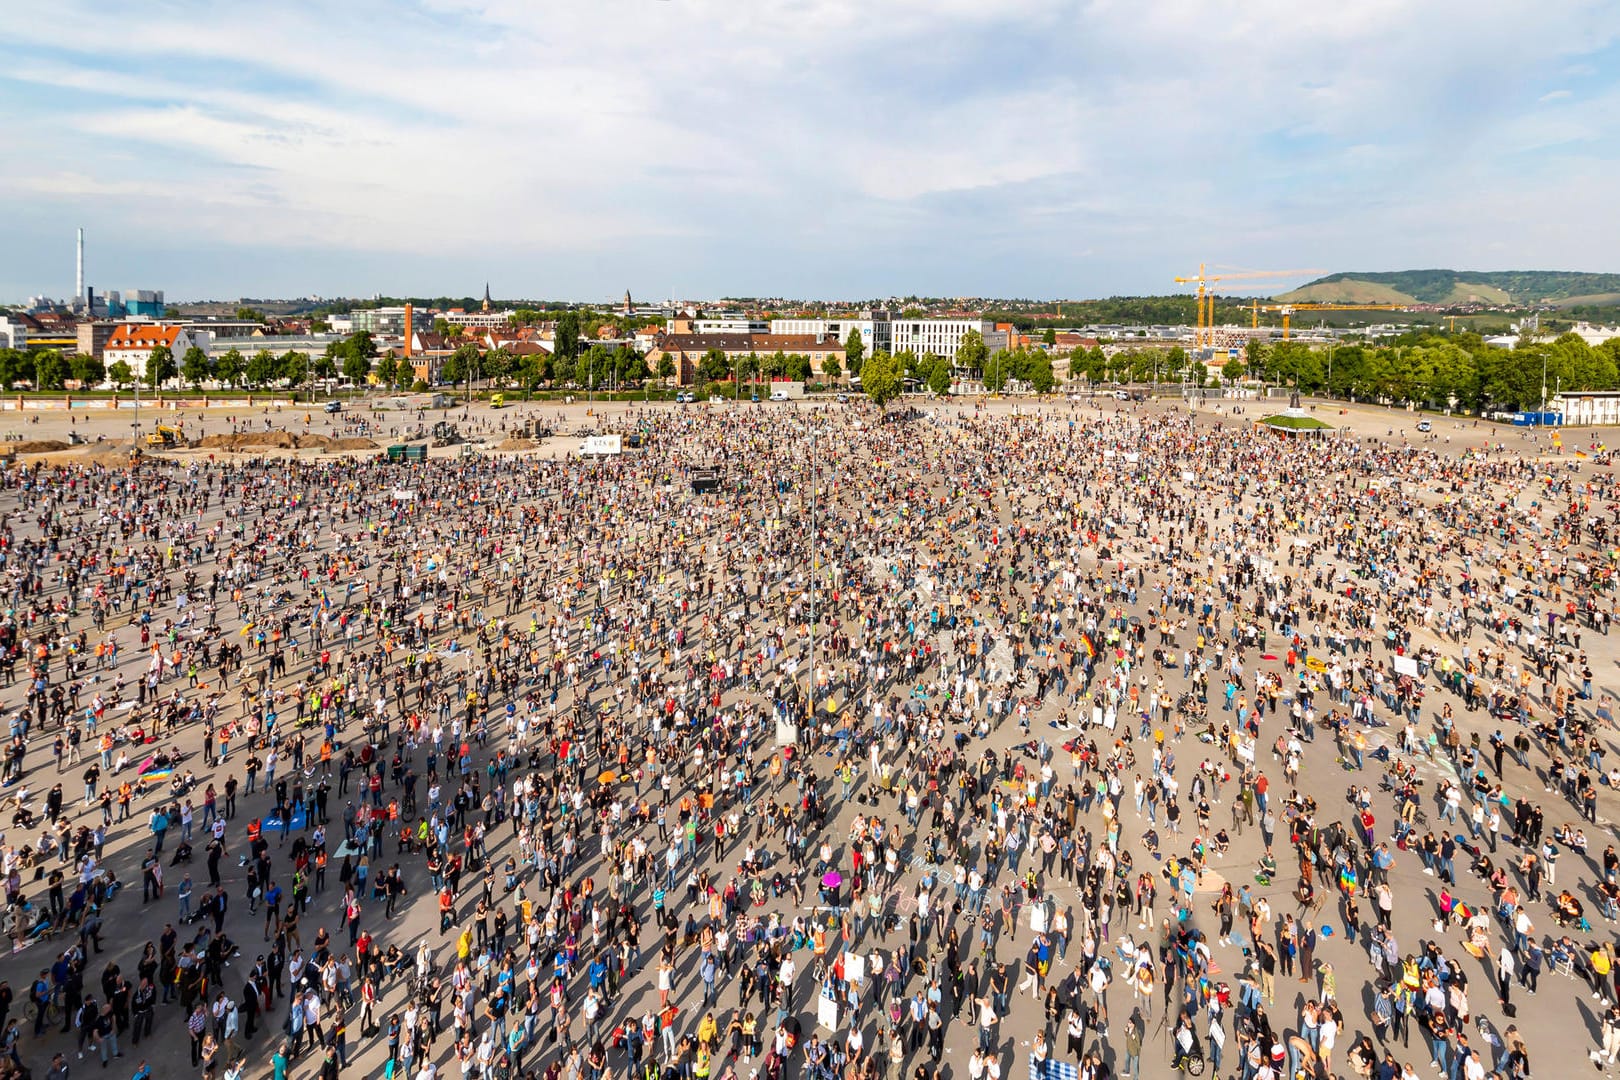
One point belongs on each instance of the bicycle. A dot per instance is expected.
(53, 1011)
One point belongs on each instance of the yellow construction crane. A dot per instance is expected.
(1289, 310)
(1204, 322)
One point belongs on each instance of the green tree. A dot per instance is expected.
(195, 367)
(261, 370)
(356, 366)
(880, 378)
(159, 366)
(666, 366)
(939, 375)
(633, 365)
(567, 336)
(50, 370)
(362, 345)
(1096, 364)
(798, 367)
(1174, 362)
(229, 367)
(1254, 357)
(326, 367)
(1233, 371)
(830, 366)
(1049, 337)
(714, 366)
(88, 370)
(597, 366)
(444, 328)
(120, 374)
(388, 369)
(972, 353)
(293, 367)
(1038, 373)
(499, 365)
(995, 371)
(250, 314)
(854, 352)
(535, 370)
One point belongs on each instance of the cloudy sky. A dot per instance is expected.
(827, 148)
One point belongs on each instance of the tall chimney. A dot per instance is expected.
(407, 331)
(78, 281)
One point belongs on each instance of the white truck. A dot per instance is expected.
(602, 446)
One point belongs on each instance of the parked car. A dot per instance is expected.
(1425, 425)
(779, 395)
(843, 399)
(685, 397)
(334, 406)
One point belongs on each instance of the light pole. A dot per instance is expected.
(810, 415)
(1542, 415)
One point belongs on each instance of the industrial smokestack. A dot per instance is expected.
(78, 281)
(407, 331)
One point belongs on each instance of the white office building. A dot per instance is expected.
(942, 337)
(729, 324)
(872, 326)
(479, 320)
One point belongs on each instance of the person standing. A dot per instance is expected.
(1504, 974)
(197, 1026)
(1134, 1028)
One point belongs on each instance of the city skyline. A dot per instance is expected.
(683, 148)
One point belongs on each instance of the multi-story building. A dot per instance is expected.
(147, 302)
(942, 337)
(93, 336)
(875, 328)
(14, 330)
(377, 321)
(133, 344)
(479, 320)
(730, 324)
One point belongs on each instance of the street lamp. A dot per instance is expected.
(810, 417)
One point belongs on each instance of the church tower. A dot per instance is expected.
(628, 307)
(486, 296)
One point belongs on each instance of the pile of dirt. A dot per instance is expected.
(281, 440)
(36, 446)
(516, 442)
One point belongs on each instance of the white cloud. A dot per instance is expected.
(676, 136)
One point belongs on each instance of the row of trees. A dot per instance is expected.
(1441, 369)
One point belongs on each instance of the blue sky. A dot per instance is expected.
(837, 149)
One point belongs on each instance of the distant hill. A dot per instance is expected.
(1557, 287)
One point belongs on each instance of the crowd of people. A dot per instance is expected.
(911, 715)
